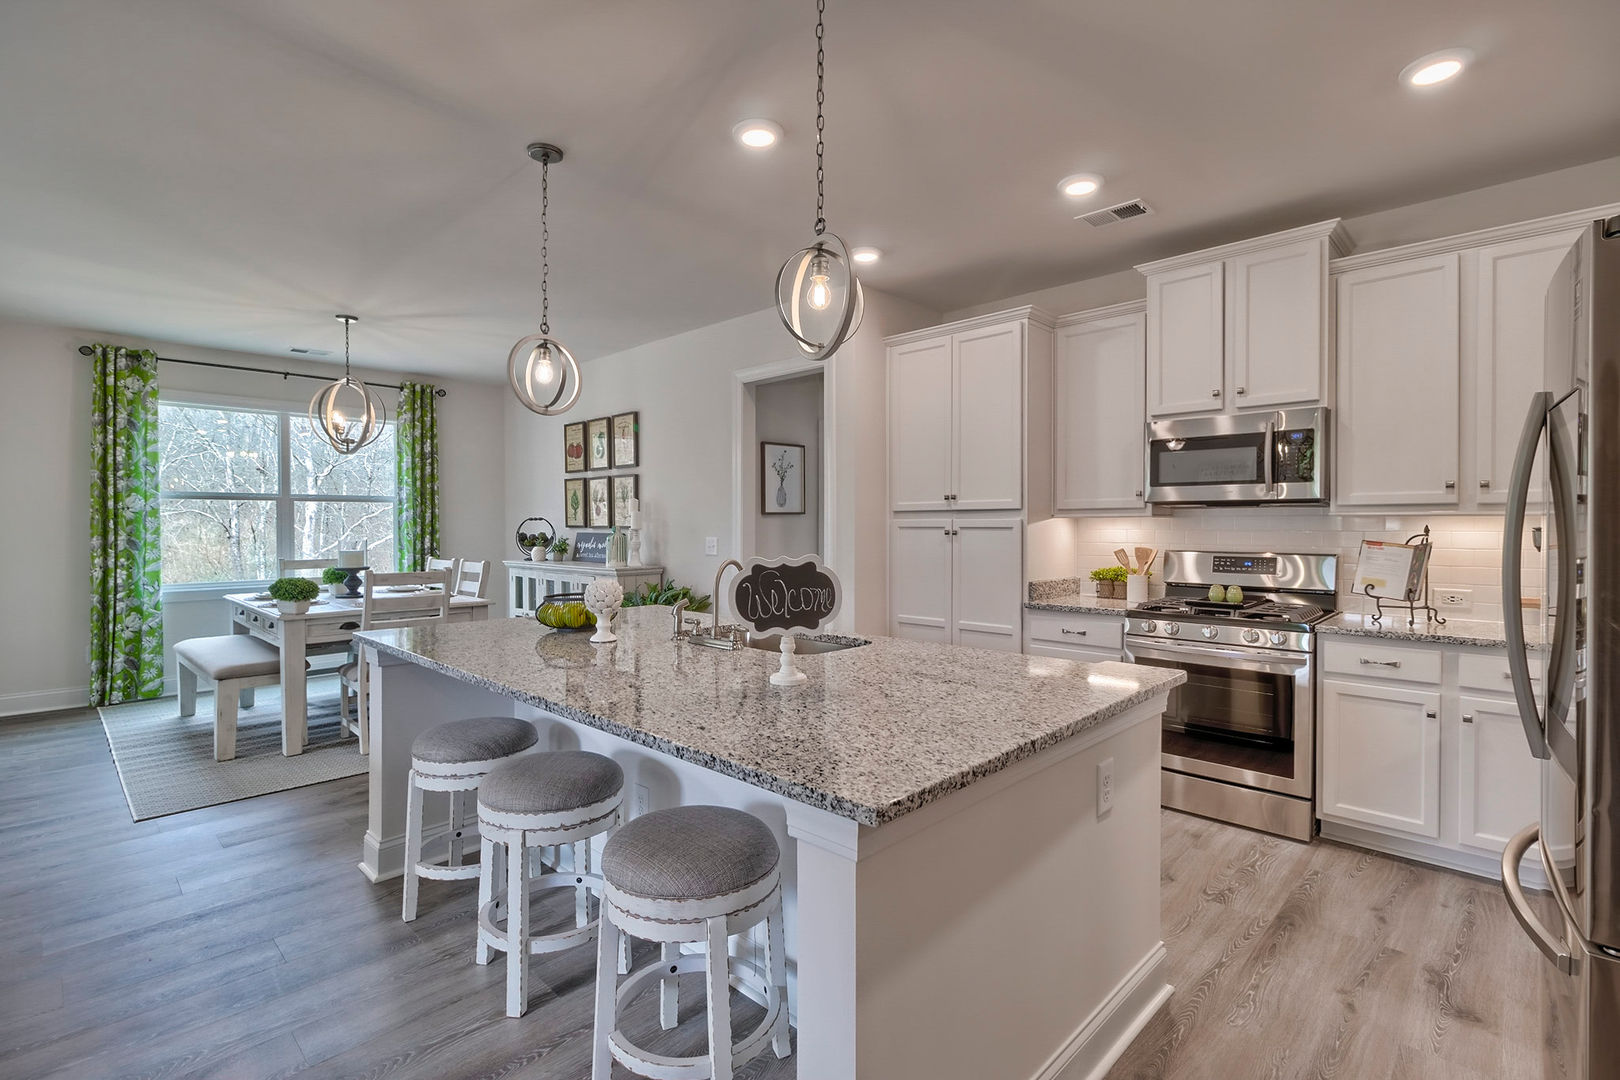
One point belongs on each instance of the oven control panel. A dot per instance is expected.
(1246, 564)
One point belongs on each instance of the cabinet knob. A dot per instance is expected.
(1138, 493)
(1485, 484)
(1241, 391)
(1468, 718)
(1214, 393)
(1451, 485)
(1430, 713)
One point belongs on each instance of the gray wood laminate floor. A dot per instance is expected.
(240, 941)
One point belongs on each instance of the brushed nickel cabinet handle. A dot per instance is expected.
(1241, 391)
(1076, 633)
(1485, 485)
(1380, 663)
(1451, 485)
(1214, 393)
(1468, 718)
(1431, 714)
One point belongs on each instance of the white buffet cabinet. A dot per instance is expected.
(1420, 751)
(528, 583)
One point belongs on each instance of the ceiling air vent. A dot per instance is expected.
(311, 352)
(1120, 212)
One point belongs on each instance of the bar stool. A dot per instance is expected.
(554, 799)
(454, 757)
(693, 874)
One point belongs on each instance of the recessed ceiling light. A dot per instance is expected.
(757, 134)
(1080, 185)
(1436, 67)
(866, 254)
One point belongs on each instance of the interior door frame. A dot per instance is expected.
(745, 452)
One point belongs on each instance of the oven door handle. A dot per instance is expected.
(1245, 661)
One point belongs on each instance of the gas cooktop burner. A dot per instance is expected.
(1247, 611)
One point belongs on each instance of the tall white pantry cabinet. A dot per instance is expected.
(970, 464)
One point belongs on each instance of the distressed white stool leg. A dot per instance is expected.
(669, 994)
(413, 845)
(244, 697)
(517, 931)
(718, 976)
(362, 709)
(486, 890)
(224, 723)
(188, 690)
(458, 825)
(581, 866)
(608, 940)
(776, 943)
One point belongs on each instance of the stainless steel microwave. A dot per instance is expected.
(1250, 458)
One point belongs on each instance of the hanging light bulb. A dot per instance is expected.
(818, 296)
(542, 372)
(347, 413)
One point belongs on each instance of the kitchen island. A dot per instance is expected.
(956, 906)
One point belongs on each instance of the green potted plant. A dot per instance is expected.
(332, 577)
(1110, 582)
(293, 594)
(559, 549)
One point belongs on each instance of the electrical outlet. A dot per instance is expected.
(711, 545)
(1454, 599)
(641, 800)
(1105, 786)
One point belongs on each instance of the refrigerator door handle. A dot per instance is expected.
(1535, 422)
(1552, 946)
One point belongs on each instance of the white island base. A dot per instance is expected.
(1000, 932)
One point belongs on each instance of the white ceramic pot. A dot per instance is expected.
(1136, 589)
(293, 607)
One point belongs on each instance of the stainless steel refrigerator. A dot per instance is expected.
(1563, 520)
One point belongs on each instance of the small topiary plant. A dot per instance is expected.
(1109, 573)
(560, 545)
(334, 575)
(294, 589)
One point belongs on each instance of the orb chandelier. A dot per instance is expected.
(543, 373)
(818, 295)
(347, 413)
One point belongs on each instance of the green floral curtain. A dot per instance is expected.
(416, 439)
(126, 608)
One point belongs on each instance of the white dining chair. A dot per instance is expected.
(452, 565)
(473, 578)
(387, 605)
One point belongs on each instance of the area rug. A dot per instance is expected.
(166, 761)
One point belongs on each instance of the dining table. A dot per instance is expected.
(328, 626)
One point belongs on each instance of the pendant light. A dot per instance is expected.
(543, 373)
(818, 295)
(347, 413)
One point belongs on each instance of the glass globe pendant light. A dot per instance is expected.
(818, 295)
(542, 372)
(347, 413)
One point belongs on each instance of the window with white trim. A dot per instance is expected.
(241, 487)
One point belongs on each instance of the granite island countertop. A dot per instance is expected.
(877, 731)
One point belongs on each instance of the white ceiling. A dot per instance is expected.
(232, 172)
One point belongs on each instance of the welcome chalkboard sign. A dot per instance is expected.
(787, 595)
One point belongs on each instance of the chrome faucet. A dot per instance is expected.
(680, 606)
(714, 623)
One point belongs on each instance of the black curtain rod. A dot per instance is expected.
(438, 391)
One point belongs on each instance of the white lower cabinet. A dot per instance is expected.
(957, 580)
(1420, 752)
(1074, 635)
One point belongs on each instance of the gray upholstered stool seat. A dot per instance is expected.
(484, 738)
(545, 783)
(690, 853)
(229, 656)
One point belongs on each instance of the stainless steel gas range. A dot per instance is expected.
(1240, 734)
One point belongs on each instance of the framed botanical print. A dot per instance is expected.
(625, 488)
(781, 477)
(574, 503)
(596, 443)
(598, 500)
(626, 440)
(574, 447)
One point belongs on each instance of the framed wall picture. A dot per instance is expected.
(596, 443)
(574, 447)
(574, 502)
(598, 502)
(625, 488)
(626, 440)
(781, 478)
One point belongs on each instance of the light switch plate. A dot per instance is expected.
(711, 545)
(1105, 786)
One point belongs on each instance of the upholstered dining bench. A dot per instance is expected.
(235, 663)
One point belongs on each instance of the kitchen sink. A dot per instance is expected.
(805, 646)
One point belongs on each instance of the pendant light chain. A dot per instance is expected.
(821, 118)
(346, 323)
(545, 243)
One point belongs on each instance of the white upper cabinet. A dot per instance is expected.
(1242, 326)
(1098, 382)
(1398, 373)
(957, 398)
(1510, 322)
(1185, 334)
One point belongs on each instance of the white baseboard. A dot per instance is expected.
(37, 701)
(1091, 1051)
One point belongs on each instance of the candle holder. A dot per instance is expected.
(635, 547)
(351, 583)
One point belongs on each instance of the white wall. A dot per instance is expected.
(789, 411)
(683, 387)
(44, 486)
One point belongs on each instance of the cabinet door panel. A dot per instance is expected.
(1186, 341)
(1510, 345)
(1398, 343)
(1380, 757)
(920, 579)
(920, 394)
(988, 578)
(1499, 789)
(988, 419)
(1100, 420)
(1278, 340)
